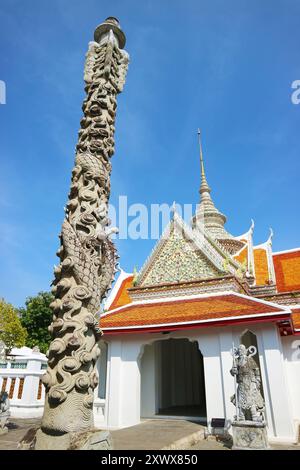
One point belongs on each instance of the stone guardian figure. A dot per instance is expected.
(249, 427)
(249, 400)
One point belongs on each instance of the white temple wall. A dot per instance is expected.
(129, 356)
(20, 377)
(123, 384)
(114, 384)
(291, 357)
(209, 346)
(100, 392)
(131, 384)
(277, 399)
(280, 403)
(226, 344)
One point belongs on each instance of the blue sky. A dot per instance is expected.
(226, 67)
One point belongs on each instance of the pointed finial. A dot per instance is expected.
(207, 214)
(204, 185)
(270, 239)
(110, 26)
(201, 154)
(173, 209)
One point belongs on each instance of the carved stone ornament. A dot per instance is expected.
(87, 255)
(249, 435)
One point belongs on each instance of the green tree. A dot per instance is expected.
(12, 332)
(36, 317)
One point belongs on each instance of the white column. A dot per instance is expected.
(276, 382)
(158, 385)
(148, 382)
(99, 392)
(265, 383)
(114, 389)
(291, 354)
(210, 348)
(130, 384)
(31, 383)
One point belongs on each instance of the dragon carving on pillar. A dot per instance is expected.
(87, 255)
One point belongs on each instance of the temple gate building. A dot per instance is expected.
(169, 330)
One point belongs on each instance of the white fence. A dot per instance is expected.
(20, 377)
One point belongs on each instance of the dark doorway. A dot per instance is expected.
(180, 375)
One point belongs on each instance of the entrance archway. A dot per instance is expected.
(172, 380)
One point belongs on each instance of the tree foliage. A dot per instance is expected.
(12, 332)
(36, 317)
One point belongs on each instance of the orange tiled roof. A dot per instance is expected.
(122, 297)
(261, 266)
(287, 271)
(296, 318)
(189, 310)
(242, 256)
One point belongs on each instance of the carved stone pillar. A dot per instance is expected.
(87, 255)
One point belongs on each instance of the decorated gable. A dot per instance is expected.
(177, 259)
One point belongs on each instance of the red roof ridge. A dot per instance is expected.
(282, 252)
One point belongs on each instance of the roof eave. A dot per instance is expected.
(259, 318)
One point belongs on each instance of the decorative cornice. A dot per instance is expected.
(225, 284)
(262, 291)
(286, 298)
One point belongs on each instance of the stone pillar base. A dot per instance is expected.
(249, 435)
(94, 439)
